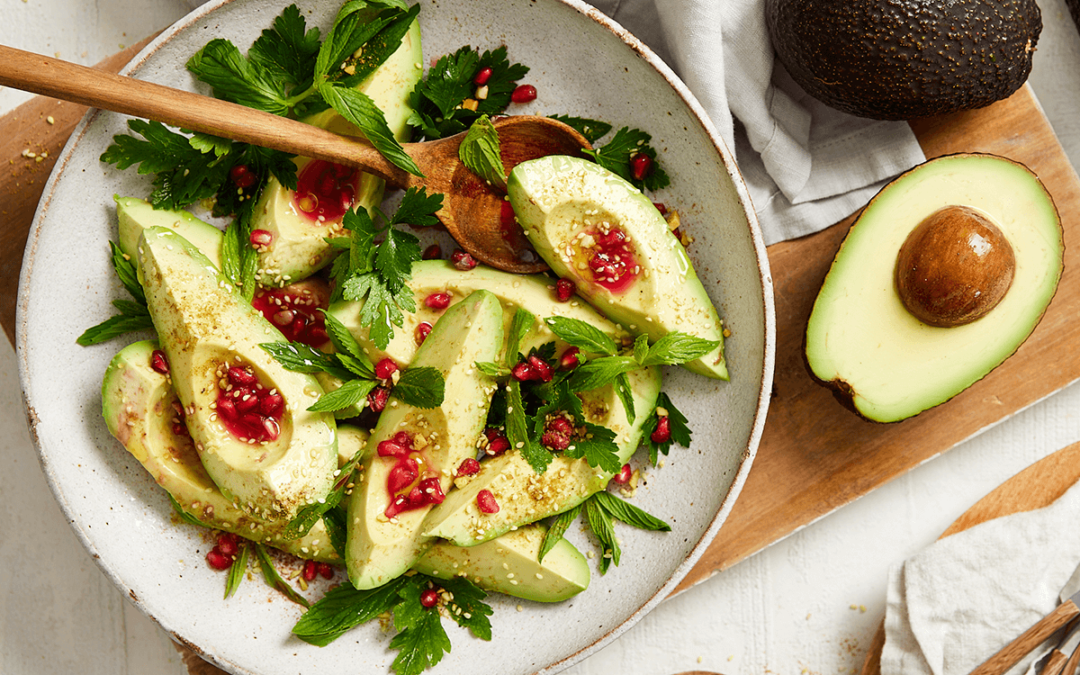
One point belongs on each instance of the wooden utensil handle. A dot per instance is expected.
(79, 84)
(1028, 640)
(1055, 663)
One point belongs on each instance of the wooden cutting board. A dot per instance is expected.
(815, 456)
(1033, 488)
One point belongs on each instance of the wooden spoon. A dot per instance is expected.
(471, 212)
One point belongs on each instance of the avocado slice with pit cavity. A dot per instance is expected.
(204, 326)
(525, 496)
(596, 229)
(140, 409)
(380, 548)
(862, 340)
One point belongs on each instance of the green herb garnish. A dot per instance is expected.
(479, 152)
(680, 432)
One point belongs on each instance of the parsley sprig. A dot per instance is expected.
(615, 156)
(680, 432)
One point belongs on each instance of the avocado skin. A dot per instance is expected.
(903, 59)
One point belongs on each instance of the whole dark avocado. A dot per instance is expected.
(903, 59)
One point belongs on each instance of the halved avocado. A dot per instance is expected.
(140, 410)
(596, 229)
(135, 215)
(862, 339)
(204, 326)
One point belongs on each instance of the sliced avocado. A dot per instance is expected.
(534, 293)
(525, 496)
(298, 246)
(205, 326)
(381, 548)
(135, 215)
(140, 410)
(508, 565)
(596, 229)
(861, 338)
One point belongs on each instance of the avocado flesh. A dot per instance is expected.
(299, 246)
(508, 565)
(137, 403)
(202, 321)
(381, 549)
(135, 215)
(525, 496)
(558, 198)
(531, 292)
(861, 339)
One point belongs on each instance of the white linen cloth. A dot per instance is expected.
(806, 165)
(959, 601)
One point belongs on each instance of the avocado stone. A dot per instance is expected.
(567, 206)
(902, 59)
(508, 564)
(863, 341)
(299, 247)
(380, 548)
(138, 406)
(204, 325)
(525, 496)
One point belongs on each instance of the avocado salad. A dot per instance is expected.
(324, 385)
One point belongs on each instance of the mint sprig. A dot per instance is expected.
(274, 580)
(133, 316)
(557, 529)
(479, 152)
(237, 570)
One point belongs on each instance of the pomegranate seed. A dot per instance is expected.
(271, 428)
(246, 404)
(395, 507)
(310, 570)
(468, 467)
(462, 260)
(433, 252)
(541, 368)
(218, 560)
(554, 440)
(523, 372)
(402, 475)
(404, 439)
(564, 289)
(158, 362)
(432, 489)
(316, 335)
(261, 238)
(661, 207)
(662, 433)
(482, 76)
(640, 166)
(485, 501)
(242, 377)
(561, 425)
(270, 404)
(506, 215)
(623, 477)
(179, 429)
(377, 399)
(430, 597)
(438, 300)
(283, 317)
(326, 571)
(226, 409)
(497, 446)
(385, 368)
(523, 94)
(227, 544)
(422, 331)
(392, 449)
(241, 176)
(569, 359)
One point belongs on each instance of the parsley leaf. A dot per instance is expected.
(273, 579)
(630, 514)
(234, 78)
(288, 49)
(237, 570)
(421, 638)
(592, 130)
(557, 529)
(479, 152)
(616, 154)
(597, 447)
(582, 334)
(418, 208)
(343, 608)
(420, 387)
(470, 600)
(680, 432)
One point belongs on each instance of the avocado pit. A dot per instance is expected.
(954, 267)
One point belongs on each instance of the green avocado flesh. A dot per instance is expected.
(138, 406)
(860, 337)
(204, 325)
(136, 215)
(299, 245)
(379, 548)
(566, 204)
(508, 565)
(525, 496)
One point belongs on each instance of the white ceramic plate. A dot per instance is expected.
(582, 64)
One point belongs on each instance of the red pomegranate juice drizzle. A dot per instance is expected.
(294, 310)
(325, 191)
(247, 409)
(612, 259)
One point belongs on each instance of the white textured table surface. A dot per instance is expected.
(808, 604)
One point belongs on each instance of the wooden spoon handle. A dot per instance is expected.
(79, 84)
(1028, 640)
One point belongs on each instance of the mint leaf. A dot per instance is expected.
(680, 432)
(420, 387)
(232, 244)
(344, 608)
(592, 130)
(335, 521)
(274, 580)
(348, 394)
(626, 395)
(233, 78)
(602, 526)
(348, 34)
(557, 529)
(301, 358)
(114, 326)
(469, 598)
(519, 327)
(125, 271)
(380, 46)
(629, 514)
(346, 345)
(418, 208)
(582, 334)
(517, 431)
(356, 107)
(492, 369)
(597, 448)
(641, 348)
(479, 152)
(184, 515)
(675, 348)
(601, 372)
(237, 570)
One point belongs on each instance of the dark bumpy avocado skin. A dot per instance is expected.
(903, 59)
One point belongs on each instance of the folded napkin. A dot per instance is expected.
(958, 602)
(806, 165)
